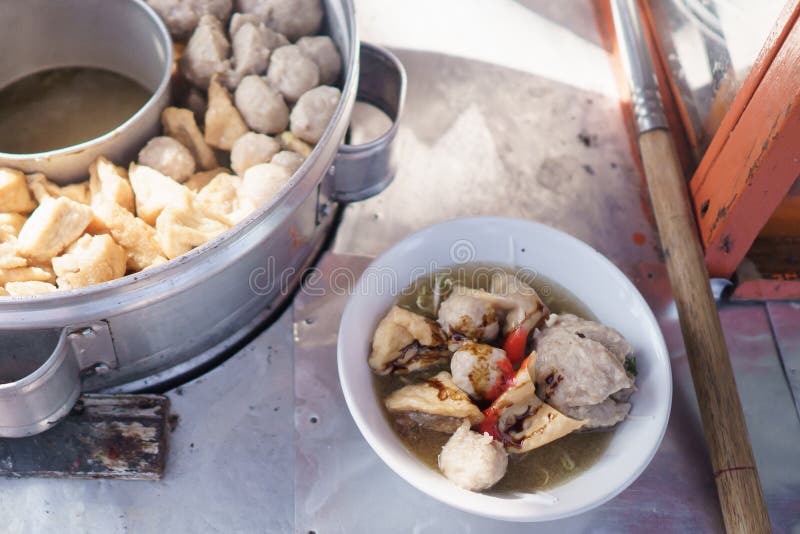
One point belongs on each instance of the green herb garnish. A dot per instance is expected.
(630, 366)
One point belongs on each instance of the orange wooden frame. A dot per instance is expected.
(754, 158)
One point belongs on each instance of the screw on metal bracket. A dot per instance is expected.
(94, 348)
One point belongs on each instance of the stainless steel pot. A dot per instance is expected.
(150, 327)
(125, 37)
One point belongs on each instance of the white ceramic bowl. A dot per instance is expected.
(559, 257)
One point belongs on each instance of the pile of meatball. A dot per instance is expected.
(257, 80)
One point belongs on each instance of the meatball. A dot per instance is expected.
(481, 370)
(473, 461)
(469, 314)
(240, 19)
(182, 16)
(291, 72)
(293, 18)
(250, 52)
(206, 53)
(521, 302)
(324, 53)
(261, 106)
(290, 160)
(252, 149)
(168, 156)
(273, 38)
(312, 113)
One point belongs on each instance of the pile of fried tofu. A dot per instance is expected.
(119, 221)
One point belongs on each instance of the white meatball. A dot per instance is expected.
(250, 51)
(261, 106)
(169, 157)
(240, 19)
(312, 113)
(273, 38)
(286, 158)
(469, 314)
(206, 53)
(182, 16)
(473, 461)
(252, 149)
(261, 183)
(291, 72)
(480, 370)
(324, 53)
(293, 18)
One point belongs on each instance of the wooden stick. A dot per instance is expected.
(743, 506)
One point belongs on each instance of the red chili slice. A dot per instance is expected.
(515, 343)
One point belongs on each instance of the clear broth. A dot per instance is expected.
(61, 107)
(544, 468)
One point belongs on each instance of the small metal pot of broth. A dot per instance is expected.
(86, 78)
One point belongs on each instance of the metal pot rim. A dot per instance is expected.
(163, 86)
(287, 199)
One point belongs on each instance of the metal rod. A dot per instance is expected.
(638, 66)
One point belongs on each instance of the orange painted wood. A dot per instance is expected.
(757, 163)
(767, 290)
(775, 40)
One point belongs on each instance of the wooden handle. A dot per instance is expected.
(742, 501)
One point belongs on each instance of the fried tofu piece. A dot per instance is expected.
(90, 260)
(179, 124)
(24, 274)
(46, 266)
(219, 199)
(14, 194)
(224, 124)
(11, 224)
(3, 292)
(291, 142)
(9, 259)
(110, 182)
(51, 227)
(133, 234)
(200, 179)
(43, 188)
(180, 228)
(286, 158)
(155, 191)
(26, 289)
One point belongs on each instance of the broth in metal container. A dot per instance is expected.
(57, 108)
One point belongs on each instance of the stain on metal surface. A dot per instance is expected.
(105, 436)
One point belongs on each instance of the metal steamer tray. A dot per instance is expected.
(154, 326)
